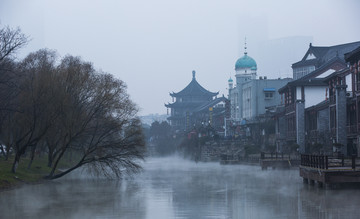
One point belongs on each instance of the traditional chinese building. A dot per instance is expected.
(194, 106)
(353, 109)
(318, 56)
(315, 103)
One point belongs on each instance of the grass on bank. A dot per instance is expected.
(36, 173)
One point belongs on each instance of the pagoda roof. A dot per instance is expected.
(178, 104)
(194, 89)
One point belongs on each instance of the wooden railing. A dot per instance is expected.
(326, 162)
(232, 159)
(278, 156)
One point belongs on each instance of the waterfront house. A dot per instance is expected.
(310, 89)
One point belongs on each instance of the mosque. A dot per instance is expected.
(252, 96)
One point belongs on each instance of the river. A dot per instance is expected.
(175, 188)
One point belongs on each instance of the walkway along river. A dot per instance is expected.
(175, 188)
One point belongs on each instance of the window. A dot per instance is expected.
(302, 71)
(269, 95)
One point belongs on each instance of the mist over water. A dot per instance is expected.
(176, 188)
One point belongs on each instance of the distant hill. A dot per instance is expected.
(149, 119)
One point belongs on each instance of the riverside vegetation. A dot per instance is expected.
(62, 107)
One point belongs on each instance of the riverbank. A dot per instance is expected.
(23, 175)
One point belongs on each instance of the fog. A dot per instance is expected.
(154, 45)
(176, 188)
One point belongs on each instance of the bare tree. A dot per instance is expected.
(35, 111)
(99, 122)
(72, 109)
(10, 41)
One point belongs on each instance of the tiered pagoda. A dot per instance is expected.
(194, 105)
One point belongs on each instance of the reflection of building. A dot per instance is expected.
(251, 97)
(194, 105)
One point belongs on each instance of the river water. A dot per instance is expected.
(176, 188)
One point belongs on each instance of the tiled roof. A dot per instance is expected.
(210, 104)
(322, 105)
(310, 79)
(304, 82)
(324, 54)
(323, 68)
(305, 63)
(336, 74)
(349, 57)
(194, 89)
(178, 104)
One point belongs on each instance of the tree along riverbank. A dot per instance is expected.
(24, 175)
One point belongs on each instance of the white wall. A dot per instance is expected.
(326, 73)
(246, 104)
(348, 80)
(314, 95)
(298, 93)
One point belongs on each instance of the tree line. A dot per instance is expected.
(65, 107)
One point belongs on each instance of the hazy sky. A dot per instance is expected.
(154, 45)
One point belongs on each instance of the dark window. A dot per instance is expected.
(269, 95)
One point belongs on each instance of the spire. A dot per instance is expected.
(245, 47)
(193, 74)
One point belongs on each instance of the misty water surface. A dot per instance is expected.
(177, 188)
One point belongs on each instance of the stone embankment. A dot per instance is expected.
(212, 151)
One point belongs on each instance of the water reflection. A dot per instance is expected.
(176, 188)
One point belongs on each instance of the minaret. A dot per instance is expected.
(245, 52)
(231, 83)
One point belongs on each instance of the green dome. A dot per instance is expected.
(230, 80)
(245, 62)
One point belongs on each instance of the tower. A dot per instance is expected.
(245, 68)
(245, 71)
